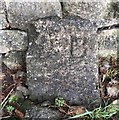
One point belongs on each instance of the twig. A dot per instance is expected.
(4, 104)
(62, 111)
(8, 88)
(6, 117)
(66, 105)
(7, 96)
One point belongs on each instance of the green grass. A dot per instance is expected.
(99, 113)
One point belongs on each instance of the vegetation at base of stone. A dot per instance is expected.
(12, 96)
(59, 101)
(64, 108)
(108, 78)
(109, 91)
(103, 112)
(11, 106)
(99, 113)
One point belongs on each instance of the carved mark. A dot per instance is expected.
(71, 48)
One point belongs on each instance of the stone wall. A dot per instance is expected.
(58, 43)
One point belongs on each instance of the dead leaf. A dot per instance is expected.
(74, 110)
(19, 113)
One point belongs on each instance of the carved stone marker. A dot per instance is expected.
(61, 60)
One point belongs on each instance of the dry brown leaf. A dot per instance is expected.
(19, 113)
(74, 110)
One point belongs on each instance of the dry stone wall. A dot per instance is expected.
(59, 42)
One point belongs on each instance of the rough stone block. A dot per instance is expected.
(108, 42)
(112, 10)
(92, 10)
(61, 60)
(86, 9)
(3, 21)
(22, 13)
(14, 40)
(2, 15)
(2, 5)
(38, 112)
(17, 43)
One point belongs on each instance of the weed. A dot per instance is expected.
(59, 101)
(12, 98)
(9, 108)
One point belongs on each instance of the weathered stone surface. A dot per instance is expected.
(37, 112)
(108, 42)
(13, 39)
(4, 49)
(85, 9)
(61, 60)
(15, 43)
(3, 22)
(105, 22)
(2, 15)
(112, 10)
(22, 13)
(14, 59)
(2, 5)
(92, 9)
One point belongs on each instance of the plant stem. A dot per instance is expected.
(7, 96)
(66, 105)
(6, 117)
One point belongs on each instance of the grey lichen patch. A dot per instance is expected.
(107, 53)
(4, 49)
(13, 39)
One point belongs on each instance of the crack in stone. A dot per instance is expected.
(6, 15)
(8, 26)
(71, 48)
(114, 26)
(17, 29)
